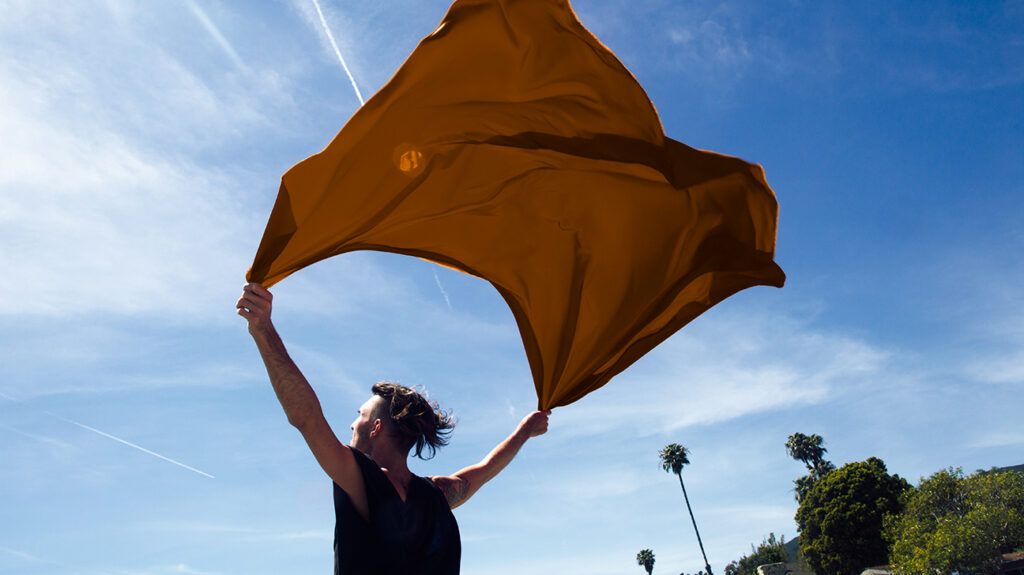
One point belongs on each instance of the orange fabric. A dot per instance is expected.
(512, 145)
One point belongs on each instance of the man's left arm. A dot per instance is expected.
(459, 487)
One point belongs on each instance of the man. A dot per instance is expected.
(388, 520)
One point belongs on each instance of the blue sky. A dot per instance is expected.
(141, 146)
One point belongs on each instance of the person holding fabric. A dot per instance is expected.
(388, 520)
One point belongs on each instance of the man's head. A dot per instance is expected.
(401, 418)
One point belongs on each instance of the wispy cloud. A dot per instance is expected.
(779, 514)
(600, 484)
(23, 555)
(722, 368)
(65, 568)
(170, 569)
(110, 200)
(998, 369)
(998, 439)
(237, 532)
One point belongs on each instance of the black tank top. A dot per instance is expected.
(417, 537)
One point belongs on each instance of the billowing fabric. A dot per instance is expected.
(512, 145)
(416, 537)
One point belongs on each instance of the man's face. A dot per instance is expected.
(364, 423)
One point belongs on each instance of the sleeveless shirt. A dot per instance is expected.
(417, 537)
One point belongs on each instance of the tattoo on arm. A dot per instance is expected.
(454, 489)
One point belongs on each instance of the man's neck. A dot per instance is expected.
(393, 463)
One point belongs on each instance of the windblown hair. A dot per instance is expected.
(415, 421)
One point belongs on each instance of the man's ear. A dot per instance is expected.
(378, 426)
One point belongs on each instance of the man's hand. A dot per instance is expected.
(255, 305)
(536, 423)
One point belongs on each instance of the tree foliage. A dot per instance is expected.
(645, 558)
(809, 449)
(673, 457)
(956, 523)
(771, 550)
(841, 516)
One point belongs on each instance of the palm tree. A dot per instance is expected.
(810, 450)
(807, 448)
(673, 458)
(645, 558)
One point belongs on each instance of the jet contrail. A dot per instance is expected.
(215, 32)
(334, 45)
(40, 438)
(129, 444)
(441, 287)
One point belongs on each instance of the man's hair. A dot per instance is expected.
(415, 421)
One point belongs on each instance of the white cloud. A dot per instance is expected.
(169, 569)
(595, 485)
(1006, 368)
(711, 43)
(237, 532)
(22, 555)
(721, 368)
(777, 514)
(105, 207)
(998, 439)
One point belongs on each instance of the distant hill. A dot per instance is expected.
(1017, 468)
(793, 549)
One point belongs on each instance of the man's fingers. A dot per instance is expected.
(245, 313)
(259, 290)
(252, 302)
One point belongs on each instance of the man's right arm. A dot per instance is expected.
(298, 399)
(462, 485)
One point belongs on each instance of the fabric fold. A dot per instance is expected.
(512, 145)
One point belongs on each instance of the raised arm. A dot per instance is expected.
(458, 488)
(298, 399)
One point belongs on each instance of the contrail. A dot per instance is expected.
(334, 45)
(441, 287)
(40, 438)
(214, 31)
(129, 444)
(104, 434)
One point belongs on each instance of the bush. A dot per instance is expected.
(771, 550)
(952, 523)
(841, 517)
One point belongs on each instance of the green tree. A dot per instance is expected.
(771, 550)
(645, 558)
(840, 518)
(952, 523)
(673, 458)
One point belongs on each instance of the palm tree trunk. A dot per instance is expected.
(699, 542)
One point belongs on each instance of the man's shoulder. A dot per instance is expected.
(453, 488)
